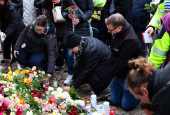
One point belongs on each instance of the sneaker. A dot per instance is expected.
(68, 80)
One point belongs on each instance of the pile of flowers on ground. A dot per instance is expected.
(32, 93)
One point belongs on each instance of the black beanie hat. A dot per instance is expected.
(72, 39)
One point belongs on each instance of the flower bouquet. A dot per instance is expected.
(152, 7)
(73, 10)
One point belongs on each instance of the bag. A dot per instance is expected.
(60, 54)
(57, 14)
(89, 21)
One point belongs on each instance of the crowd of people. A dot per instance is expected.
(113, 55)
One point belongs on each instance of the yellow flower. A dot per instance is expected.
(10, 78)
(23, 72)
(10, 73)
(27, 71)
(17, 71)
(25, 80)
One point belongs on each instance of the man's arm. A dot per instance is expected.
(90, 61)
(129, 49)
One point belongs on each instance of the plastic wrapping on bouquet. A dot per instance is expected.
(2, 38)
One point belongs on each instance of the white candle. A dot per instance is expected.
(106, 108)
(94, 99)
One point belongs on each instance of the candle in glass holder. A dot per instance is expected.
(55, 82)
(106, 108)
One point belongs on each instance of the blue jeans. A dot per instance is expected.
(38, 60)
(69, 59)
(120, 95)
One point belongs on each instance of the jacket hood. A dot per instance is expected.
(166, 22)
(48, 30)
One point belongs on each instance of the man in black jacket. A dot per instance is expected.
(124, 46)
(124, 7)
(93, 62)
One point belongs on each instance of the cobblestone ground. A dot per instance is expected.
(84, 91)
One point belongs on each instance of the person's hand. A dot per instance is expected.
(16, 52)
(71, 16)
(75, 22)
(150, 30)
(49, 75)
(105, 20)
(159, 27)
(4, 35)
(66, 88)
(56, 1)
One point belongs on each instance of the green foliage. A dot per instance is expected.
(74, 94)
(151, 8)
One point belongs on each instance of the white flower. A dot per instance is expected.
(12, 113)
(33, 68)
(155, 3)
(59, 89)
(29, 113)
(53, 92)
(11, 98)
(80, 103)
(50, 88)
(14, 95)
(6, 89)
(65, 95)
(3, 82)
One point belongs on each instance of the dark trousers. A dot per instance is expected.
(76, 71)
(38, 60)
(94, 24)
(8, 43)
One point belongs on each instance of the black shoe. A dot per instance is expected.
(2, 61)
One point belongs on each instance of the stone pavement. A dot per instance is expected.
(84, 91)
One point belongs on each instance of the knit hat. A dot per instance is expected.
(72, 39)
(167, 5)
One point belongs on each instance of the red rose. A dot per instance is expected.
(33, 95)
(74, 110)
(40, 95)
(73, 7)
(34, 91)
(70, 113)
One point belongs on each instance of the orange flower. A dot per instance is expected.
(42, 102)
(22, 101)
(19, 96)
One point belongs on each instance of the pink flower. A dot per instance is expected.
(31, 76)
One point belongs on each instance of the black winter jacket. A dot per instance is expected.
(60, 27)
(11, 23)
(95, 65)
(40, 44)
(87, 7)
(123, 7)
(159, 93)
(125, 46)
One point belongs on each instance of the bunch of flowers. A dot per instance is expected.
(152, 7)
(73, 10)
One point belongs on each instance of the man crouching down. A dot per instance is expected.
(92, 63)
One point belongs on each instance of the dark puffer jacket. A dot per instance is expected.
(95, 65)
(87, 7)
(159, 92)
(40, 44)
(11, 22)
(125, 46)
